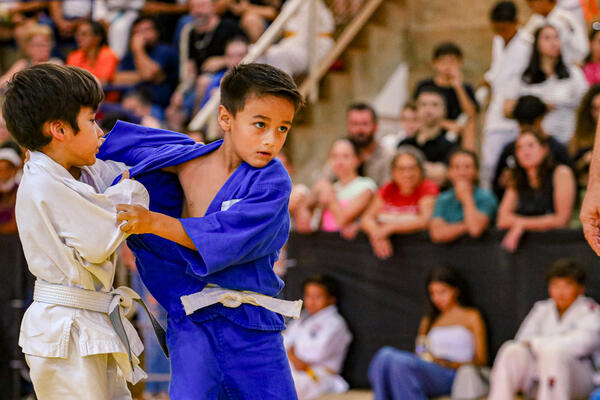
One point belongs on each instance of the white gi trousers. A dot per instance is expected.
(94, 377)
(560, 376)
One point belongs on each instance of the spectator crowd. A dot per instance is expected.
(511, 153)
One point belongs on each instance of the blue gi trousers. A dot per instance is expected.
(400, 375)
(216, 360)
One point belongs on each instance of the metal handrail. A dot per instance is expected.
(267, 39)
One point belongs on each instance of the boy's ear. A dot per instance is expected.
(55, 130)
(225, 118)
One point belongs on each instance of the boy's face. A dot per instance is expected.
(81, 147)
(462, 167)
(316, 298)
(447, 65)
(506, 30)
(431, 109)
(259, 130)
(564, 292)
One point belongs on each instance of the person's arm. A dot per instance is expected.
(479, 333)
(65, 26)
(590, 208)
(213, 64)
(564, 198)
(475, 220)
(530, 327)
(421, 222)
(441, 231)
(368, 222)
(158, 7)
(467, 105)
(345, 215)
(469, 135)
(267, 12)
(506, 211)
(146, 67)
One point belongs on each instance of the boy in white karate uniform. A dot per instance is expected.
(68, 228)
(550, 357)
(317, 342)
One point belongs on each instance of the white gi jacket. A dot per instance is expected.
(70, 236)
(322, 341)
(578, 331)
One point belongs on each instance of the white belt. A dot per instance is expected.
(116, 304)
(234, 298)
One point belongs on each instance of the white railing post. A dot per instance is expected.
(313, 56)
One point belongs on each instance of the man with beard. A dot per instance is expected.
(149, 64)
(431, 137)
(375, 158)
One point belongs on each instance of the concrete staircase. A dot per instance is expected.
(369, 61)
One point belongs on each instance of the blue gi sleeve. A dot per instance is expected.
(252, 228)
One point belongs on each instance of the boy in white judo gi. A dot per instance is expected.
(67, 223)
(317, 343)
(550, 357)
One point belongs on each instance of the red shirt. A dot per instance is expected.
(396, 202)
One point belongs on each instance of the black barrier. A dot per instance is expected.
(383, 301)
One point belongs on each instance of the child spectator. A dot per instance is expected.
(431, 138)
(572, 32)
(10, 164)
(467, 208)
(591, 66)
(344, 201)
(291, 53)
(317, 342)
(37, 48)
(403, 205)
(459, 96)
(150, 64)
(450, 335)
(529, 113)
(551, 355)
(559, 85)
(541, 193)
(93, 54)
(510, 55)
(409, 126)
(582, 143)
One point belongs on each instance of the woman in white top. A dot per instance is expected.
(450, 335)
(344, 201)
(558, 85)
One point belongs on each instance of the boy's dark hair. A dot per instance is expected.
(447, 49)
(44, 93)
(567, 268)
(363, 107)
(433, 90)
(142, 94)
(246, 80)
(528, 109)
(143, 18)
(331, 285)
(504, 11)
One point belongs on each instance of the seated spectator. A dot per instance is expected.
(591, 66)
(431, 137)
(150, 64)
(291, 53)
(10, 164)
(541, 193)
(37, 48)
(93, 54)
(466, 209)
(572, 31)
(409, 125)
(450, 335)
(203, 40)
(317, 342)
(138, 103)
(344, 201)
(120, 16)
(551, 355)
(66, 15)
(459, 96)
(403, 205)
(529, 113)
(557, 84)
(511, 52)
(252, 15)
(582, 143)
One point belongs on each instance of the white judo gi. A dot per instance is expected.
(321, 340)
(291, 53)
(69, 233)
(550, 353)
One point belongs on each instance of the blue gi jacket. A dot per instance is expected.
(238, 239)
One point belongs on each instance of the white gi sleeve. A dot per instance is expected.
(531, 325)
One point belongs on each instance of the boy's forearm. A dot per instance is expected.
(171, 229)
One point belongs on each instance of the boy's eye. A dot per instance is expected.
(259, 124)
(283, 129)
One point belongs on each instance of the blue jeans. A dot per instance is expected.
(400, 375)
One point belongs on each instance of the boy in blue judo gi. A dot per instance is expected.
(217, 220)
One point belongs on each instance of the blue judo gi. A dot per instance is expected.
(217, 352)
